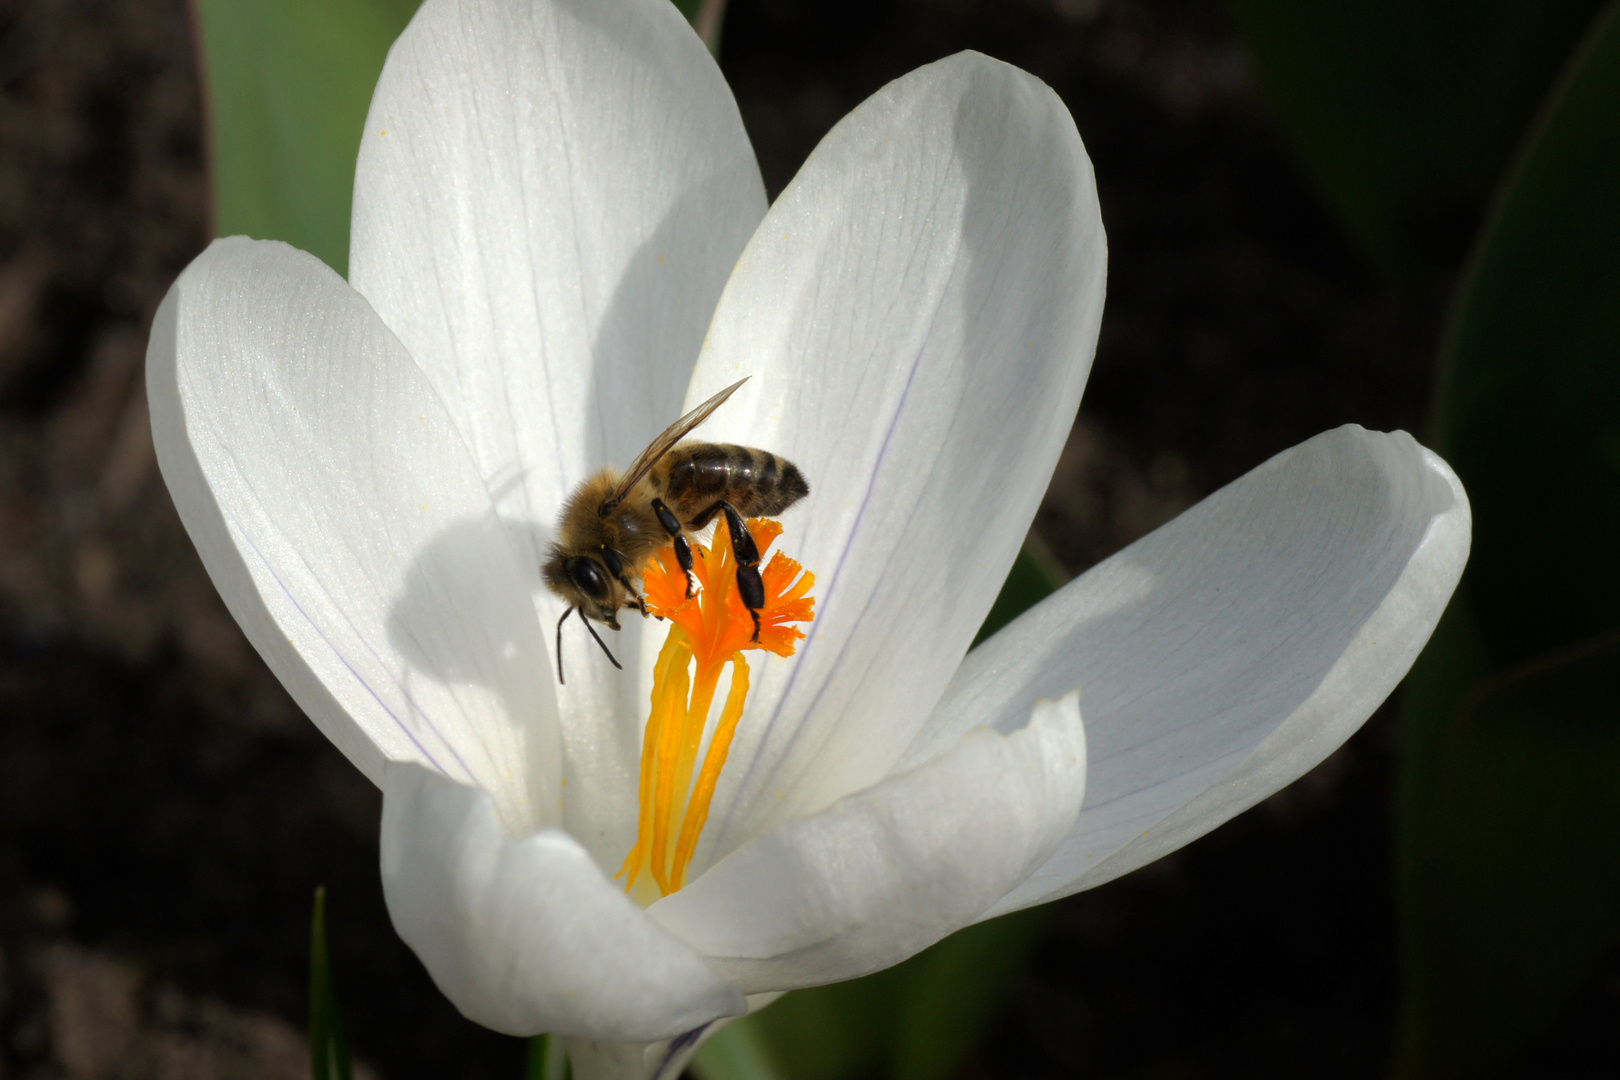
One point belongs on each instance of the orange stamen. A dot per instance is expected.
(711, 630)
(668, 703)
(697, 810)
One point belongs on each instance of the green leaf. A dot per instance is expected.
(736, 1052)
(1034, 576)
(953, 992)
(288, 84)
(1407, 114)
(328, 1050)
(1530, 396)
(1519, 887)
(1507, 741)
(919, 1020)
(1451, 665)
(547, 1059)
(689, 8)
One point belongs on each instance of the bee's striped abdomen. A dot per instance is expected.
(757, 482)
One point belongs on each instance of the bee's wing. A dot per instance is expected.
(672, 435)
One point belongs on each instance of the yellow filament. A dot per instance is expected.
(697, 807)
(677, 753)
(668, 754)
(697, 718)
(668, 703)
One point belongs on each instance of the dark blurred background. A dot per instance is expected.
(165, 810)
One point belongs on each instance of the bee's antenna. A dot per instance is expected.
(560, 680)
(599, 641)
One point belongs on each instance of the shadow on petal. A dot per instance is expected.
(928, 291)
(650, 332)
(465, 630)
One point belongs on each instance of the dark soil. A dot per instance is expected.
(165, 812)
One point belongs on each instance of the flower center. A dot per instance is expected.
(711, 630)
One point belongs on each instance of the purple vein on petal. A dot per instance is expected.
(392, 715)
(676, 1047)
(843, 556)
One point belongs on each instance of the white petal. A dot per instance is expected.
(918, 312)
(547, 223)
(1230, 651)
(548, 199)
(886, 872)
(526, 936)
(345, 526)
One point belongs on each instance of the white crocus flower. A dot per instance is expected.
(557, 214)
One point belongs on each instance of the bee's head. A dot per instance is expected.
(584, 581)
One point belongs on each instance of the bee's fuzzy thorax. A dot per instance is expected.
(583, 508)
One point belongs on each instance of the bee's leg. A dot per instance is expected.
(749, 586)
(636, 600)
(683, 550)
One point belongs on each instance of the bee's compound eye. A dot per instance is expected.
(588, 578)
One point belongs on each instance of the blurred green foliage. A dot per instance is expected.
(328, 1050)
(737, 1051)
(288, 85)
(1409, 117)
(1529, 412)
(919, 1020)
(1516, 890)
(1510, 803)
(1034, 576)
(546, 1059)
(1406, 114)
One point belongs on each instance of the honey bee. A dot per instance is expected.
(612, 525)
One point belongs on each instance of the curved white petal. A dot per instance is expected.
(918, 313)
(548, 199)
(888, 871)
(1230, 651)
(345, 526)
(526, 936)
